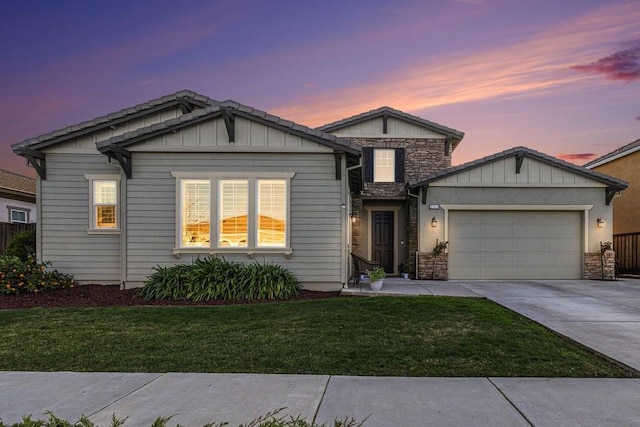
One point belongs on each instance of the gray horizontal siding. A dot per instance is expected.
(65, 220)
(316, 212)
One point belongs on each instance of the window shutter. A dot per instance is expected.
(367, 154)
(399, 165)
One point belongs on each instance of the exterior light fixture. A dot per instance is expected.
(353, 217)
(600, 223)
(434, 222)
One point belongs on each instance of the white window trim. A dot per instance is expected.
(93, 230)
(252, 249)
(15, 209)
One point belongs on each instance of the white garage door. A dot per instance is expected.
(515, 245)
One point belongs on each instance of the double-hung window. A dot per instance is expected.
(104, 195)
(384, 161)
(248, 213)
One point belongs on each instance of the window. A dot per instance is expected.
(384, 161)
(195, 212)
(272, 213)
(250, 212)
(233, 216)
(18, 216)
(383, 164)
(103, 201)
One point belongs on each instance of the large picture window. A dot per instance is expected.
(104, 195)
(250, 212)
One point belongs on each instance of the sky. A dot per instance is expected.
(558, 76)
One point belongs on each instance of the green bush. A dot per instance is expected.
(22, 245)
(217, 279)
(18, 276)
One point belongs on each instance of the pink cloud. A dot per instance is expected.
(621, 65)
(526, 68)
(577, 156)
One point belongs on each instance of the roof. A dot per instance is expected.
(236, 109)
(17, 187)
(615, 154)
(610, 181)
(454, 134)
(186, 99)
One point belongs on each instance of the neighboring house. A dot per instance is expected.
(185, 176)
(624, 163)
(518, 214)
(17, 198)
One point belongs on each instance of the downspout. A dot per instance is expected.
(418, 213)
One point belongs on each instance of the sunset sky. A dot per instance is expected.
(558, 76)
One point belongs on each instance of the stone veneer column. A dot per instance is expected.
(595, 264)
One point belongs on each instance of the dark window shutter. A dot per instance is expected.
(367, 154)
(399, 165)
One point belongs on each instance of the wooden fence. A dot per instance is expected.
(8, 230)
(627, 252)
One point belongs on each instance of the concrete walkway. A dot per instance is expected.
(602, 315)
(197, 399)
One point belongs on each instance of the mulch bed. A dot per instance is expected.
(111, 295)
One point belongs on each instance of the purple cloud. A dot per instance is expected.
(622, 65)
(577, 156)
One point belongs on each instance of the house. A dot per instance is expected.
(623, 163)
(185, 176)
(17, 198)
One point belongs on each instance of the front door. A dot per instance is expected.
(382, 239)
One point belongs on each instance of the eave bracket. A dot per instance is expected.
(337, 155)
(123, 157)
(229, 123)
(611, 193)
(37, 160)
(519, 160)
(425, 188)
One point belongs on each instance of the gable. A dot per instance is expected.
(504, 172)
(395, 128)
(211, 136)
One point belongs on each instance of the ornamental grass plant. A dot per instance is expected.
(213, 278)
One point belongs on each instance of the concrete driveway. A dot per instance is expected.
(604, 316)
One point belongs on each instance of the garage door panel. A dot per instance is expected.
(515, 245)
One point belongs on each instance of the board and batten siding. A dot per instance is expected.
(503, 171)
(316, 214)
(64, 220)
(87, 143)
(395, 129)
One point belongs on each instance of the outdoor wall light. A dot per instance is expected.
(353, 217)
(600, 223)
(434, 222)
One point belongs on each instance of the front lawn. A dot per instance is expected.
(394, 336)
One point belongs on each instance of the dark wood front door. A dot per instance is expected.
(382, 239)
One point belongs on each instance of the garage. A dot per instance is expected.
(515, 245)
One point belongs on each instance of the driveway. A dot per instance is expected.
(604, 316)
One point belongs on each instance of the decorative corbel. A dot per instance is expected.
(338, 161)
(123, 157)
(37, 160)
(425, 188)
(229, 123)
(519, 160)
(611, 193)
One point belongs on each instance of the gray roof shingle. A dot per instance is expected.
(101, 121)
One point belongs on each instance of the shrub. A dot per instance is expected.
(22, 245)
(18, 276)
(217, 279)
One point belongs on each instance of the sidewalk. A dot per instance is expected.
(197, 399)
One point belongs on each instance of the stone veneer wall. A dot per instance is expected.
(423, 156)
(593, 265)
(426, 268)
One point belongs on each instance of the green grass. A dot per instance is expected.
(395, 336)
